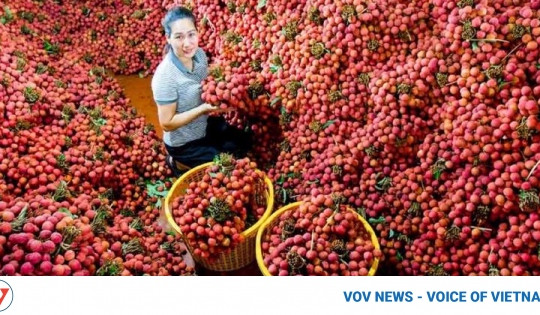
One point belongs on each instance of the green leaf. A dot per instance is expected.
(274, 101)
(361, 211)
(391, 234)
(261, 4)
(293, 175)
(437, 174)
(502, 84)
(163, 193)
(158, 204)
(284, 196)
(66, 211)
(281, 179)
(153, 189)
(8, 15)
(379, 220)
(274, 68)
(212, 174)
(538, 66)
(399, 256)
(474, 46)
(50, 47)
(100, 121)
(171, 232)
(328, 124)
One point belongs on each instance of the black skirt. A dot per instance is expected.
(220, 138)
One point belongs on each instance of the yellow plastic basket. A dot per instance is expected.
(273, 220)
(244, 253)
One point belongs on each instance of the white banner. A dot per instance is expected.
(268, 295)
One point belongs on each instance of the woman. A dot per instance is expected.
(190, 137)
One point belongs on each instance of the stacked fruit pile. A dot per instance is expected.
(423, 114)
(79, 171)
(319, 237)
(216, 210)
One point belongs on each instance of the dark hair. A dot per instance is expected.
(174, 14)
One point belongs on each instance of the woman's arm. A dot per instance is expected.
(170, 120)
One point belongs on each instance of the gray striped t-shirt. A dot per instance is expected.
(172, 82)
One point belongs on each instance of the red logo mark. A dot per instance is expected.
(4, 293)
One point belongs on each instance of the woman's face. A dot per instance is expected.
(184, 38)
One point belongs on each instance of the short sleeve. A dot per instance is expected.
(163, 88)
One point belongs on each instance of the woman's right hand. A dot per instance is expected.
(209, 109)
(170, 120)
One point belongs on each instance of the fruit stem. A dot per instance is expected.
(335, 141)
(529, 200)
(330, 218)
(110, 268)
(18, 223)
(450, 83)
(134, 246)
(511, 52)
(69, 234)
(488, 40)
(532, 170)
(483, 229)
(210, 22)
(312, 235)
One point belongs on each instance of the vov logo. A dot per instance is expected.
(6, 295)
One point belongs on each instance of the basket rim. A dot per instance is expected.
(292, 206)
(249, 232)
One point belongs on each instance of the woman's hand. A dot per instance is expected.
(209, 109)
(170, 120)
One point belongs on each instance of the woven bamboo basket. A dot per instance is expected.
(273, 220)
(244, 253)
